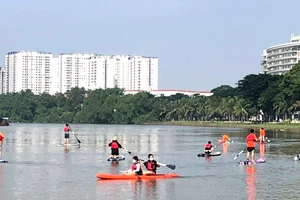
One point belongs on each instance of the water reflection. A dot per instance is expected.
(208, 158)
(114, 167)
(66, 150)
(225, 147)
(250, 180)
(262, 150)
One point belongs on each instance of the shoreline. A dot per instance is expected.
(293, 127)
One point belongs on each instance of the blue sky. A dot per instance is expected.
(201, 44)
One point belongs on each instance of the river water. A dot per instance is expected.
(39, 169)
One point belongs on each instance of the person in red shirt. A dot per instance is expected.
(250, 140)
(1, 138)
(67, 133)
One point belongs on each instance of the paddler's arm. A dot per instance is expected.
(120, 146)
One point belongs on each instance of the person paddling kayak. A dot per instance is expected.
(136, 167)
(208, 148)
(250, 140)
(115, 146)
(151, 165)
(67, 133)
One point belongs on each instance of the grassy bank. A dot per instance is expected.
(291, 127)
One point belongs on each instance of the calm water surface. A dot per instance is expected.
(39, 169)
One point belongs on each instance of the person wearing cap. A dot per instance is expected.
(67, 133)
(151, 165)
(136, 167)
(115, 146)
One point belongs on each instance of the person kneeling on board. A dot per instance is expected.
(115, 146)
(151, 165)
(208, 148)
(136, 167)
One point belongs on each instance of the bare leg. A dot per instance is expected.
(252, 155)
(248, 154)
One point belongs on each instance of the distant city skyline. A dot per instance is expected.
(44, 72)
(209, 44)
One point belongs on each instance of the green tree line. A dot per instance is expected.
(276, 96)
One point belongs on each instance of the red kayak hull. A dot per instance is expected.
(133, 177)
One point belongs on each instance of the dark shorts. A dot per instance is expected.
(67, 135)
(139, 173)
(250, 149)
(115, 152)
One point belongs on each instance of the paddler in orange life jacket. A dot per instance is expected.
(136, 167)
(114, 145)
(151, 165)
(262, 135)
(208, 148)
(67, 133)
(225, 138)
(251, 139)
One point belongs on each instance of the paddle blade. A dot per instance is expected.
(78, 141)
(171, 166)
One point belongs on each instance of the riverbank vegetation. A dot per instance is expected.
(257, 97)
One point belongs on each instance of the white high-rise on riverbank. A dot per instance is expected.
(279, 59)
(43, 72)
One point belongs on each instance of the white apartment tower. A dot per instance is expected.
(42, 72)
(279, 59)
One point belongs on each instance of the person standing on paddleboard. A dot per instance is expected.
(67, 133)
(115, 146)
(151, 165)
(250, 140)
(208, 148)
(1, 138)
(262, 135)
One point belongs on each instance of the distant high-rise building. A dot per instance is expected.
(43, 72)
(279, 59)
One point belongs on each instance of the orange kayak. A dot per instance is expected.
(132, 177)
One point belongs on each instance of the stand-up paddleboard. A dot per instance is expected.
(208, 155)
(248, 162)
(69, 145)
(116, 159)
(3, 161)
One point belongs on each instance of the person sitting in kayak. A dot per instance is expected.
(250, 140)
(67, 133)
(115, 145)
(208, 148)
(136, 167)
(151, 165)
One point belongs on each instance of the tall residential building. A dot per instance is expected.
(44, 72)
(279, 59)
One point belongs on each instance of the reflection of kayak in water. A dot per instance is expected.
(133, 177)
(248, 162)
(209, 155)
(116, 159)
